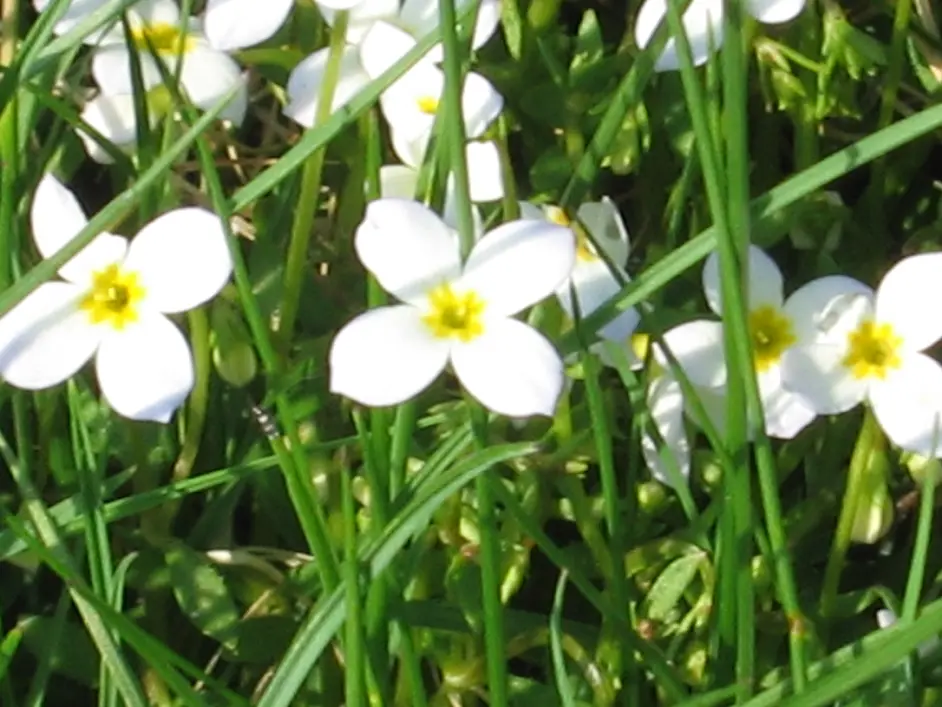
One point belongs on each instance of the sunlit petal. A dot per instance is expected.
(518, 264)
(46, 338)
(208, 76)
(594, 285)
(113, 116)
(382, 46)
(908, 405)
(407, 247)
(698, 348)
(182, 259)
(511, 369)
(786, 412)
(306, 79)
(386, 356)
(818, 373)
(480, 104)
(903, 297)
(362, 17)
(775, 11)
(828, 308)
(668, 460)
(421, 17)
(234, 24)
(398, 181)
(485, 178)
(703, 23)
(765, 281)
(409, 148)
(111, 69)
(145, 370)
(56, 218)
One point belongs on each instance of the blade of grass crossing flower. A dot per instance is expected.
(302, 227)
(765, 215)
(730, 560)
(563, 687)
(377, 554)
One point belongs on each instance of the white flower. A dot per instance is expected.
(453, 313)
(111, 305)
(207, 75)
(591, 278)
(665, 403)
(415, 17)
(775, 326)
(869, 347)
(703, 23)
(485, 179)
(113, 116)
(305, 80)
(235, 24)
(398, 181)
(76, 11)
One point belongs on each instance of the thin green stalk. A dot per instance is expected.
(494, 635)
(917, 567)
(614, 517)
(309, 197)
(869, 440)
(403, 427)
(10, 159)
(354, 646)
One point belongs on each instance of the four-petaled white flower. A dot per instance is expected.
(775, 325)
(591, 278)
(703, 24)
(112, 304)
(453, 313)
(869, 347)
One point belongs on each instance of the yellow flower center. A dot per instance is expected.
(166, 39)
(114, 297)
(454, 315)
(428, 105)
(585, 251)
(873, 350)
(771, 334)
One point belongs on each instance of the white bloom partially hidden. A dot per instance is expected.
(452, 313)
(485, 180)
(669, 456)
(235, 24)
(775, 324)
(869, 347)
(306, 79)
(591, 277)
(703, 24)
(207, 75)
(112, 304)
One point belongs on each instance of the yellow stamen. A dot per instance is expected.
(428, 105)
(585, 251)
(873, 350)
(166, 39)
(114, 297)
(454, 315)
(772, 334)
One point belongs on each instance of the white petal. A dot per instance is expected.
(421, 17)
(304, 84)
(450, 211)
(594, 285)
(703, 24)
(382, 46)
(511, 369)
(518, 264)
(480, 104)
(907, 296)
(714, 403)
(363, 16)
(155, 12)
(386, 356)
(774, 12)
(208, 76)
(818, 373)
(336, 5)
(764, 286)
(56, 218)
(606, 226)
(145, 370)
(485, 178)
(76, 11)
(113, 116)
(828, 308)
(407, 247)
(398, 181)
(698, 348)
(908, 405)
(234, 24)
(786, 413)
(182, 259)
(403, 102)
(46, 338)
(666, 405)
(111, 69)
(410, 148)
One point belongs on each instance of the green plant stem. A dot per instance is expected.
(494, 636)
(917, 567)
(869, 441)
(309, 197)
(354, 648)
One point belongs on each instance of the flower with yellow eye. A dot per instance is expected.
(454, 313)
(207, 75)
(111, 304)
(776, 325)
(592, 278)
(869, 347)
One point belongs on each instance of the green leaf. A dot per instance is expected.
(671, 584)
(64, 646)
(202, 593)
